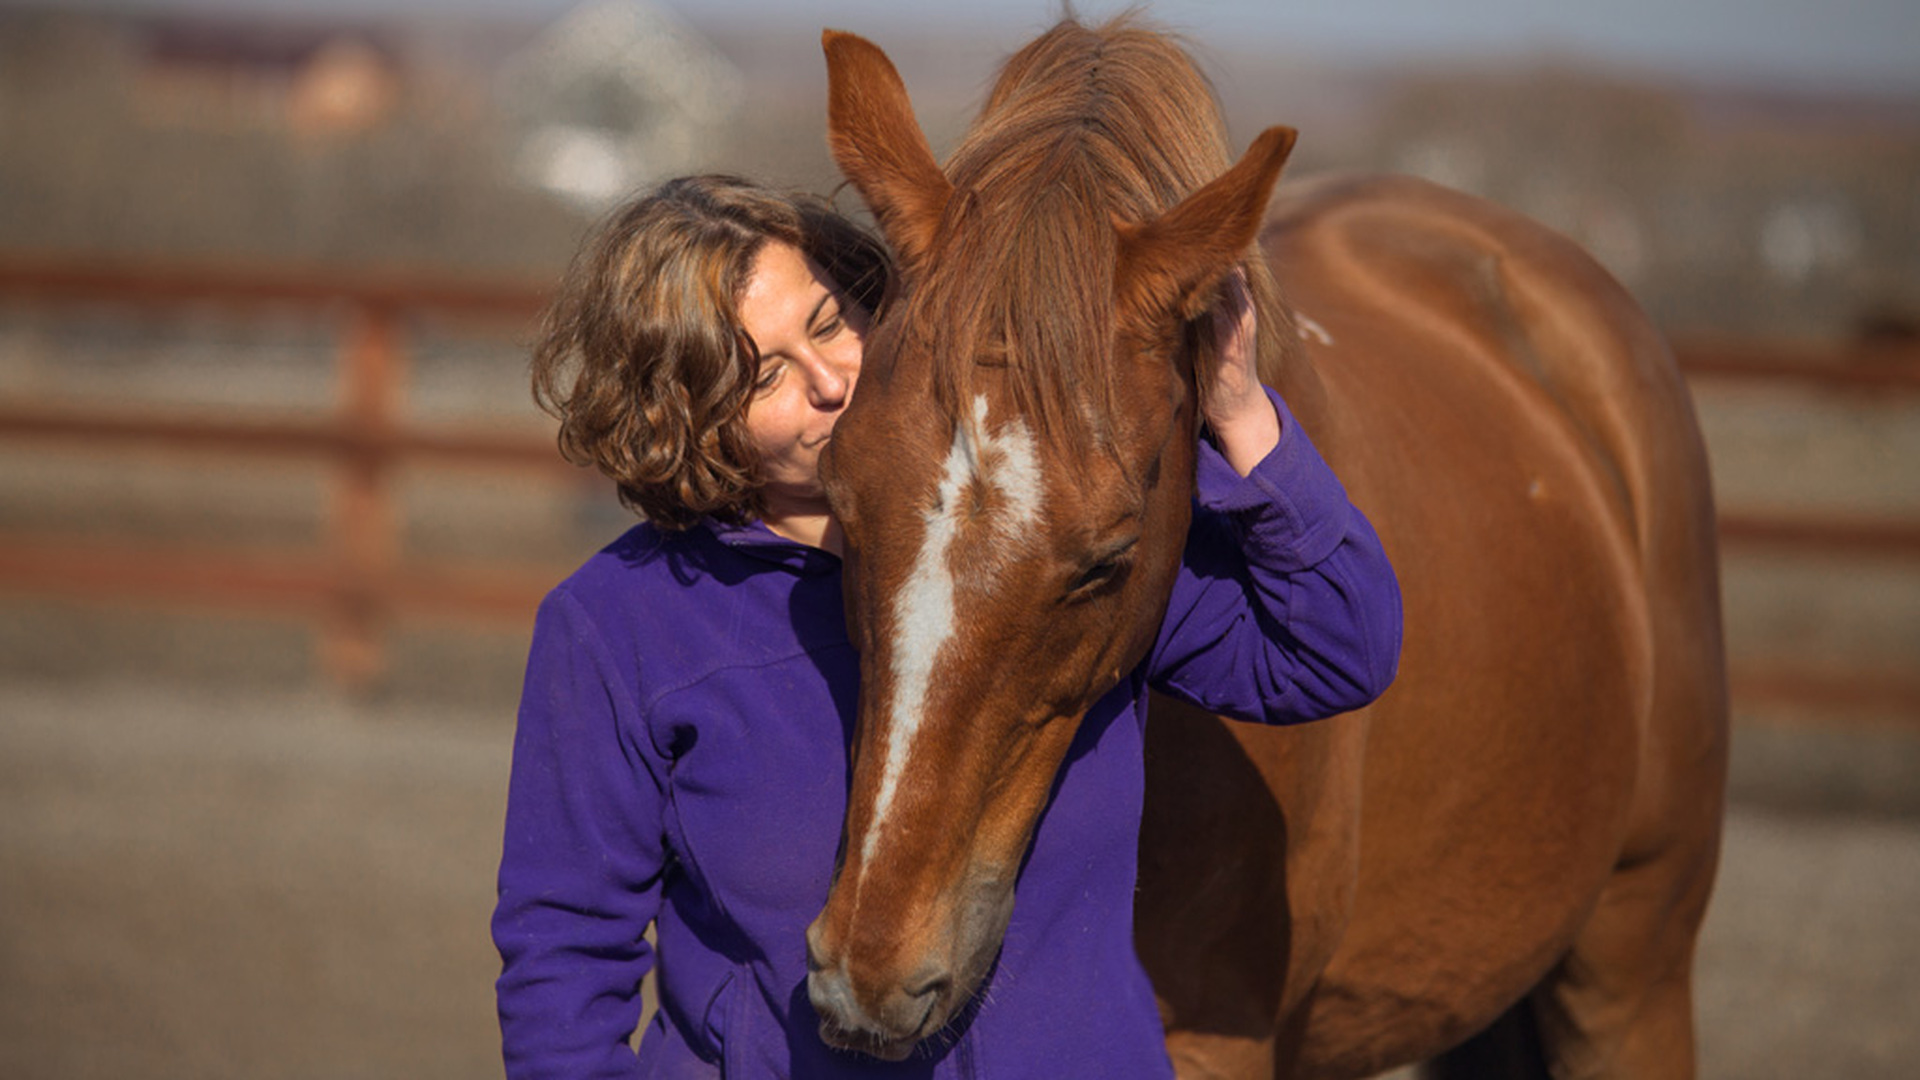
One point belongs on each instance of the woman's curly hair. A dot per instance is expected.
(642, 356)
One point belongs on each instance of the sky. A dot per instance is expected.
(1847, 46)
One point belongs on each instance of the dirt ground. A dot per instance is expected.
(272, 884)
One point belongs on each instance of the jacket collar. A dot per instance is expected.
(756, 540)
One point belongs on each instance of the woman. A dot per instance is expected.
(681, 753)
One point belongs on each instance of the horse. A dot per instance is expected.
(1502, 864)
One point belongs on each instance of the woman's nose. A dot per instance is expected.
(830, 381)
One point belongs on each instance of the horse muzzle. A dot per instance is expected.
(889, 1029)
(888, 1008)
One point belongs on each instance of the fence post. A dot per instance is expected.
(365, 537)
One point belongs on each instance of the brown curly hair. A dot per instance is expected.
(642, 357)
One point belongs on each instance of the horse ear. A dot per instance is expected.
(1170, 266)
(879, 145)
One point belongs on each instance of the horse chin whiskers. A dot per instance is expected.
(876, 1044)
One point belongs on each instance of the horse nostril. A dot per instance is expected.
(931, 983)
(832, 998)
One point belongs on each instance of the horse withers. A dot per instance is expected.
(1502, 864)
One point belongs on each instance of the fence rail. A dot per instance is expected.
(356, 582)
(295, 436)
(57, 279)
(1877, 368)
(1890, 365)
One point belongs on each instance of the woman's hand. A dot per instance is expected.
(1235, 406)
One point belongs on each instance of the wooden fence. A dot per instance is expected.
(357, 581)
(1873, 368)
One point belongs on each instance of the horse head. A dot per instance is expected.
(1014, 482)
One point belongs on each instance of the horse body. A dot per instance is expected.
(1525, 826)
(1536, 802)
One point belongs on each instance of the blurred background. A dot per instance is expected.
(275, 506)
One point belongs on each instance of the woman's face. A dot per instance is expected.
(809, 337)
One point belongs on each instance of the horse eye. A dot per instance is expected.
(1104, 565)
(1093, 579)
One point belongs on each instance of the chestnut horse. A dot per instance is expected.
(1501, 864)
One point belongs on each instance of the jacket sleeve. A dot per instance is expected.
(1285, 608)
(582, 862)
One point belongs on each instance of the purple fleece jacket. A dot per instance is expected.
(681, 760)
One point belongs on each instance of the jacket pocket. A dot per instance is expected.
(728, 1021)
(713, 1019)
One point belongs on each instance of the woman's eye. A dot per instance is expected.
(828, 328)
(768, 376)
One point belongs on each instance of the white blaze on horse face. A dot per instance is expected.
(1016, 476)
(1006, 461)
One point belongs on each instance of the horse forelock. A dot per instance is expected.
(1085, 125)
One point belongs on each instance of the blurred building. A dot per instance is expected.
(307, 82)
(613, 94)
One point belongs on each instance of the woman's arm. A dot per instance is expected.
(1285, 608)
(581, 868)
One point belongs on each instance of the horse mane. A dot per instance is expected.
(1084, 125)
